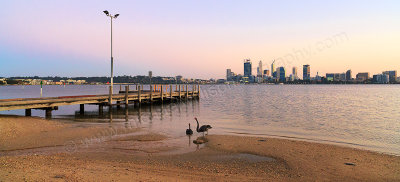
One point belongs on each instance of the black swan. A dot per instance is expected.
(203, 128)
(189, 131)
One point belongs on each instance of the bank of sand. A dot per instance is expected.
(142, 157)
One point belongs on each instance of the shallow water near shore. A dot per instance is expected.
(360, 116)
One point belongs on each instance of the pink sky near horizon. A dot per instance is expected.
(196, 39)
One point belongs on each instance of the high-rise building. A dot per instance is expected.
(260, 69)
(392, 75)
(362, 76)
(266, 72)
(348, 75)
(306, 72)
(247, 68)
(229, 74)
(281, 74)
(273, 72)
(380, 78)
(342, 76)
(294, 72)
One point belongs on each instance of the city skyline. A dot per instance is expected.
(65, 38)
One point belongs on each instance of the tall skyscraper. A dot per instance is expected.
(294, 73)
(306, 72)
(273, 72)
(392, 75)
(281, 74)
(348, 75)
(247, 68)
(229, 75)
(260, 69)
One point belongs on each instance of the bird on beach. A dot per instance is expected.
(203, 128)
(189, 131)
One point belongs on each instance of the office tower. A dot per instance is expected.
(294, 72)
(348, 75)
(392, 75)
(273, 72)
(342, 76)
(281, 74)
(362, 76)
(266, 72)
(306, 72)
(229, 74)
(260, 69)
(380, 78)
(247, 68)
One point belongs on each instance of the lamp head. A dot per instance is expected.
(106, 12)
(116, 15)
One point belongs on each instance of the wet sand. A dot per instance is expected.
(56, 153)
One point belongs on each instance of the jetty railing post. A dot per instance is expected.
(136, 87)
(120, 87)
(126, 96)
(110, 97)
(162, 93)
(198, 91)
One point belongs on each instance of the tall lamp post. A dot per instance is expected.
(112, 60)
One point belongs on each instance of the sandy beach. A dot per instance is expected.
(35, 149)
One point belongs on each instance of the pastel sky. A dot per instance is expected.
(196, 38)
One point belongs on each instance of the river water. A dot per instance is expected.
(360, 116)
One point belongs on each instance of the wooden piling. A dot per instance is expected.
(48, 112)
(170, 93)
(162, 93)
(118, 104)
(110, 97)
(100, 109)
(179, 92)
(140, 95)
(151, 93)
(28, 112)
(187, 92)
(126, 96)
(81, 109)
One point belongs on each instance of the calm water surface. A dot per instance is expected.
(361, 116)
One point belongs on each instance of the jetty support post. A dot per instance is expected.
(82, 109)
(126, 96)
(179, 92)
(198, 91)
(48, 112)
(110, 97)
(162, 93)
(139, 95)
(100, 109)
(151, 93)
(170, 93)
(28, 112)
(187, 92)
(118, 104)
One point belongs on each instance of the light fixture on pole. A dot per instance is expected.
(112, 59)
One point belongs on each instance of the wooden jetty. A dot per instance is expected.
(156, 93)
